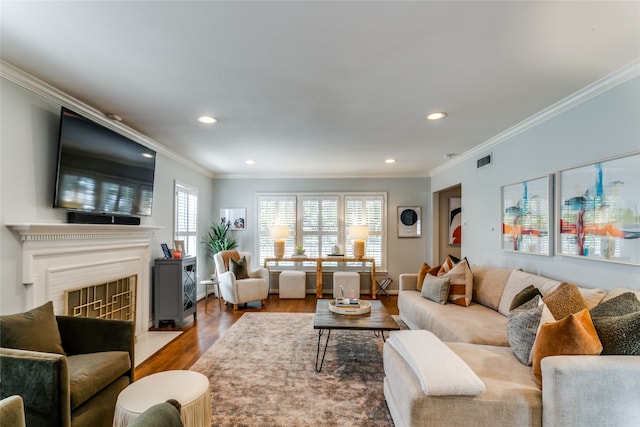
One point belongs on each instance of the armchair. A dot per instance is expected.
(236, 290)
(68, 370)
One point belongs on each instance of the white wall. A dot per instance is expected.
(603, 126)
(28, 156)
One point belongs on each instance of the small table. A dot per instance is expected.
(378, 320)
(216, 285)
(189, 388)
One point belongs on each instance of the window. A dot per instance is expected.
(186, 216)
(319, 221)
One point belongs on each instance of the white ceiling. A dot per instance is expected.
(324, 87)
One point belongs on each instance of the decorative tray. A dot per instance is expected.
(363, 307)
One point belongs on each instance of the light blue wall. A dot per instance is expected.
(28, 155)
(404, 254)
(603, 126)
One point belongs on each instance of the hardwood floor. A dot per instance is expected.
(199, 335)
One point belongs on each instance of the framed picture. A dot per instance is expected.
(165, 250)
(235, 217)
(527, 216)
(455, 221)
(598, 210)
(179, 246)
(409, 221)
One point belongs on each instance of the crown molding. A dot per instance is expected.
(40, 87)
(604, 84)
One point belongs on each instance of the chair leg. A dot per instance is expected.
(235, 307)
(263, 302)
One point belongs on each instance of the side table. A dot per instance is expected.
(216, 288)
(189, 388)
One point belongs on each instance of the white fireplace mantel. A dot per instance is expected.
(59, 256)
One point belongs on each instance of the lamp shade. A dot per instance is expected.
(359, 232)
(279, 232)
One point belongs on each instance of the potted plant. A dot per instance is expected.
(219, 238)
(299, 250)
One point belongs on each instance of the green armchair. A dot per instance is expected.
(68, 370)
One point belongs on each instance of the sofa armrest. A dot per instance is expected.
(83, 335)
(42, 379)
(590, 390)
(408, 282)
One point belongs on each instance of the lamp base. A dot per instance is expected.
(278, 248)
(358, 248)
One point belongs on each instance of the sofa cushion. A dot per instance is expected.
(424, 270)
(474, 324)
(460, 283)
(518, 280)
(435, 288)
(617, 322)
(35, 330)
(572, 335)
(488, 284)
(90, 373)
(565, 300)
(522, 327)
(525, 295)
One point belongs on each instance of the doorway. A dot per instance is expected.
(447, 223)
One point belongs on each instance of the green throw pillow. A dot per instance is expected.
(34, 330)
(617, 322)
(239, 268)
(435, 288)
(523, 296)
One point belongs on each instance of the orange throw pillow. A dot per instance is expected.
(573, 335)
(422, 273)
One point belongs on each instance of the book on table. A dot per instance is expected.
(347, 303)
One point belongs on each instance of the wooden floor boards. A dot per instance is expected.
(199, 335)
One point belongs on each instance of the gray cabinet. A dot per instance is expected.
(174, 290)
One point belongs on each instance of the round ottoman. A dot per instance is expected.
(189, 388)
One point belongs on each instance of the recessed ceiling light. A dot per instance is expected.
(437, 116)
(208, 120)
(250, 162)
(389, 161)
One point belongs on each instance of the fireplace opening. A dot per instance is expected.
(115, 299)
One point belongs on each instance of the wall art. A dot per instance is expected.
(235, 217)
(527, 216)
(598, 210)
(409, 221)
(455, 221)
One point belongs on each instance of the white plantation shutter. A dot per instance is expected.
(186, 217)
(275, 210)
(321, 221)
(367, 209)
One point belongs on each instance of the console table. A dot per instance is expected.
(320, 260)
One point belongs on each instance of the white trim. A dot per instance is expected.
(594, 89)
(35, 85)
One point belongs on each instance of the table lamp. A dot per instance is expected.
(359, 234)
(279, 233)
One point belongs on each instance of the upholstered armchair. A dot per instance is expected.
(239, 285)
(68, 370)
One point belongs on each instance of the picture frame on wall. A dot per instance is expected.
(455, 221)
(409, 221)
(235, 217)
(598, 210)
(526, 213)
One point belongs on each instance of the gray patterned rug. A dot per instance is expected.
(262, 373)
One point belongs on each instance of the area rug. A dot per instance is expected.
(262, 373)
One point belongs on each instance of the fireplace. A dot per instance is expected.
(115, 299)
(58, 258)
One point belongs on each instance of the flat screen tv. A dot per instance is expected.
(100, 171)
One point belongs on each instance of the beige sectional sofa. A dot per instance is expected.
(578, 390)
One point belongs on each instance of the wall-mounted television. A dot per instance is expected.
(100, 171)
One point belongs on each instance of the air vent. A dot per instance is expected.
(486, 160)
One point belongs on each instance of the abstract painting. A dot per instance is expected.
(455, 221)
(599, 210)
(526, 216)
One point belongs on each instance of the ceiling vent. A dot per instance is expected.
(486, 160)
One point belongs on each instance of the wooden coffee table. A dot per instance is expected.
(378, 321)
